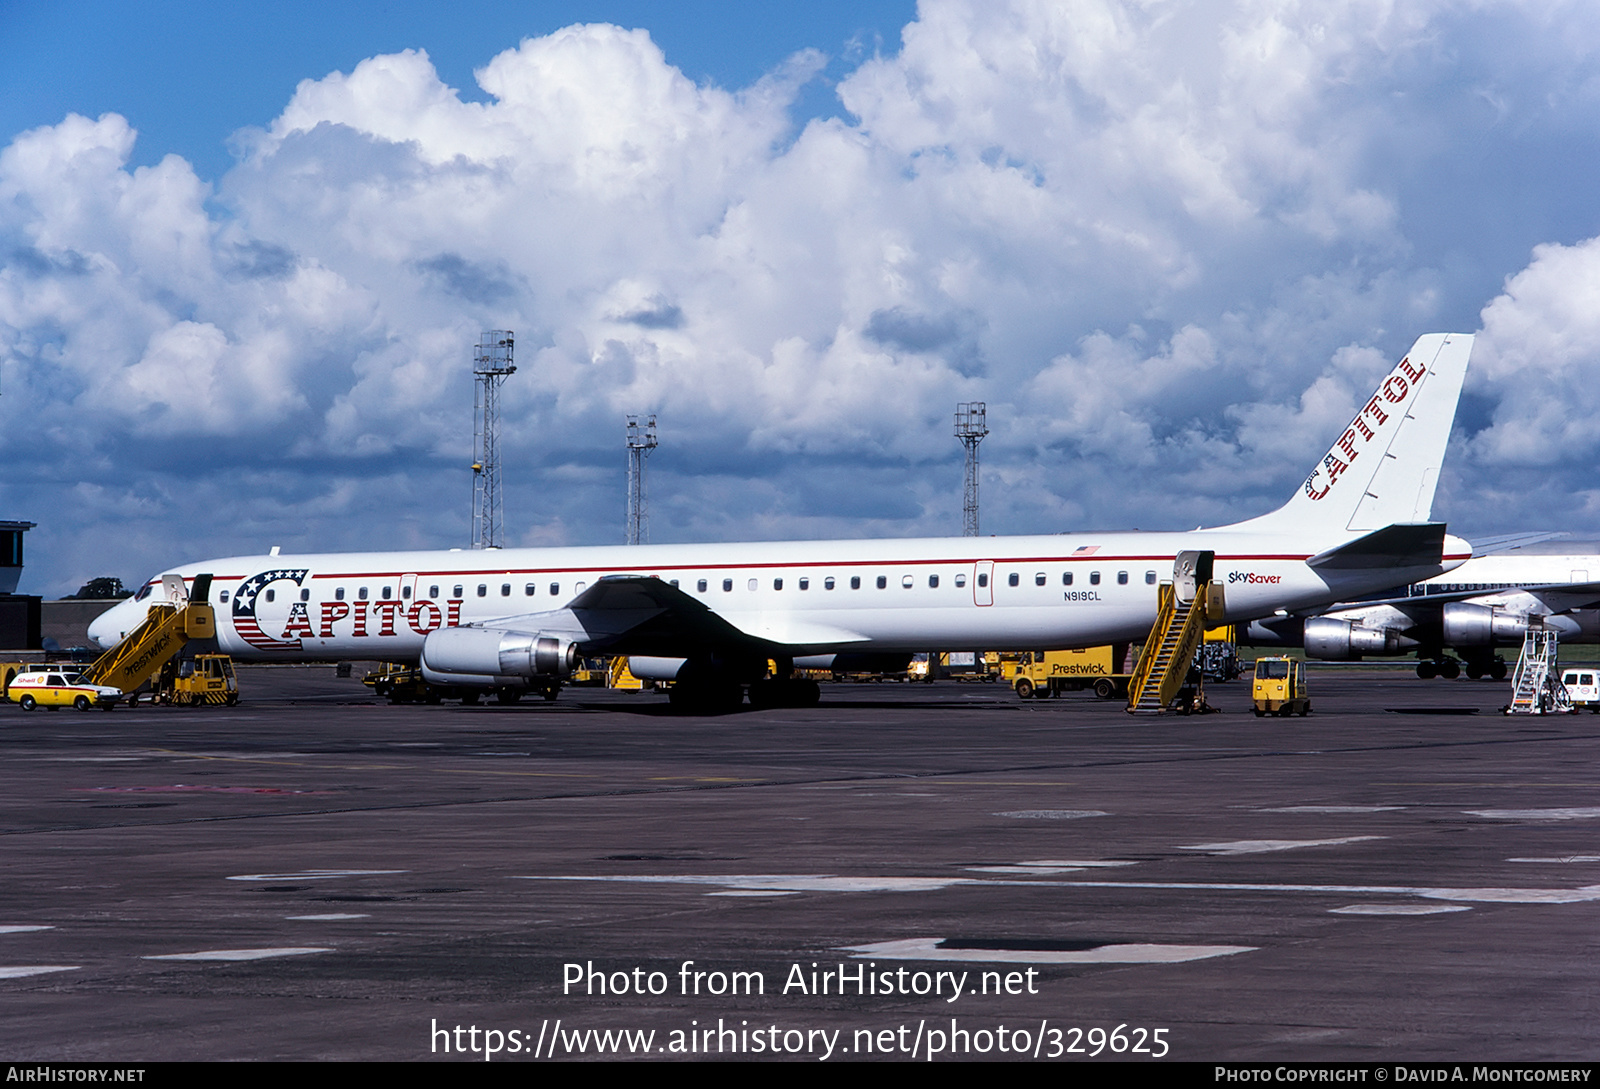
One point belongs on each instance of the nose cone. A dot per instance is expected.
(108, 629)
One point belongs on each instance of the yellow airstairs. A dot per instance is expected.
(1186, 607)
(168, 625)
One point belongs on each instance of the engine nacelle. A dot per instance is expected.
(1334, 640)
(484, 656)
(1467, 625)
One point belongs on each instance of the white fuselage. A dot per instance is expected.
(994, 593)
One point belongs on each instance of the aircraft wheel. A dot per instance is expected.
(468, 699)
(28, 703)
(1024, 689)
(1449, 669)
(1474, 671)
(507, 695)
(1427, 670)
(82, 703)
(1498, 669)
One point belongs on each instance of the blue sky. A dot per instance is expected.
(188, 74)
(244, 254)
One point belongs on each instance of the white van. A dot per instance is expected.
(1582, 688)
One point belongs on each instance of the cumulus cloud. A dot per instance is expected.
(1169, 244)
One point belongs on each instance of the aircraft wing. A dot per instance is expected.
(641, 614)
(1504, 542)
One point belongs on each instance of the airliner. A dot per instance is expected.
(1485, 604)
(711, 617)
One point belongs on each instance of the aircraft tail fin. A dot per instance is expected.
(1383, 470)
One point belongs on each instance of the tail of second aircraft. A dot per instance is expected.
(1383, 470)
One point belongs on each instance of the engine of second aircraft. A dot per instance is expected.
(1468, 625)
(1333, 640)
(452, 653)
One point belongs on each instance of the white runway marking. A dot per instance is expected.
(334, 918)
(242, 954)
(1536, 814)
(784, 882)
(831, 883)
(1044, 867)
(1132, 953)
(1260, 846)
(1485, 895)
(1398, 909)
(759, 893)
(1562, 861)
(35, 970)
(1332, 809)
(1053, 814)
(310, 875)
(23, 929)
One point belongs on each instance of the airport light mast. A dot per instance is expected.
(491, 363)
(641, 440)
(971, 426)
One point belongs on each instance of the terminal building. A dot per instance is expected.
(19, 614)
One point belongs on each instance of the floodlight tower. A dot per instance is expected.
(641, 440)
(491, 363)
(971, 426)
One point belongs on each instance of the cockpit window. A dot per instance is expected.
(144, 591)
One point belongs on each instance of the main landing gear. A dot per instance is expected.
(1493, 668)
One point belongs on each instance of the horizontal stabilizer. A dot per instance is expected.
(1416, 544)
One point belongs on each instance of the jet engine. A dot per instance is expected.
(490, 658)
(1468, 625)
(1341, 641)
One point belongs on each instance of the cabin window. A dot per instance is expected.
(1013, 578)
(483, 590)
(750, 585)
(1149, 578)
(855, 582)
(362, 593)
(386, 593)
(529, 590)
(433, 591)
(456, 592)
(338, 594)
(673, 584)
(1038, 580)
(906, 581)
(578, 589)
(1066, 578)
(272, 595)
(805, 583)
(701, 586)
(933, 582)
(961, 582)
(1122, 578)
(727, 585)
(983, 579)
(405, 592)
(305, 595)
(505, 589)
(1094, 578)
(827, 583)
(777, 584)
(555, 588)
(224, 597)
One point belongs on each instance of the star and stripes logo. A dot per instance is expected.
(244, 608)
